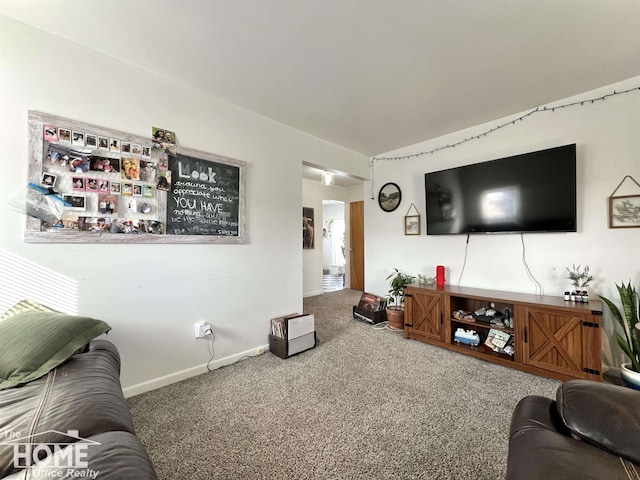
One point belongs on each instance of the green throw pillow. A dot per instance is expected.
(23, 305)
(33, 342)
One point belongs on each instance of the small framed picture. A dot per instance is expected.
(132, 205)
(78, 202)
(125, 147)
(624, 211)
(114, 188)
(48, 180)
(148, 171)
(127, 188)
(64, 135)
(114, 145)
(103, 143)
(130, 168)
(164, 140)
(136, 149)
(91, 141)
(137, 190)
(308, 220)
(146, 152)
(78, 139)
(412, 225)
(163, 162)
(144, 208)
(164, 181)
(107, 203)
(147, 191)
(78, 184)
(389, 197)
(50, 133)
(103, 186)
(104, 164)
(91, 185)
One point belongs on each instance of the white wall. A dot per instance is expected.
(608, 145)
(312, 195)
(152, 294)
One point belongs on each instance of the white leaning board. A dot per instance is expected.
(299, 326)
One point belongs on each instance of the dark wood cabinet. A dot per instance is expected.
(423, 316)
(551, 337)
(561, 342)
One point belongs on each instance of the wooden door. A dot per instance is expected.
(563, 343)
(356, 250)
(423, 316)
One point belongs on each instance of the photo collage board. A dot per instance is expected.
(115, 184)
(111, 183)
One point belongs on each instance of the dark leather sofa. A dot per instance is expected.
(72, 423)
(590, 431)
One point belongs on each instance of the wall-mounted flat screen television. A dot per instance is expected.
(532, 192)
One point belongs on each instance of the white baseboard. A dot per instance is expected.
(189, 372)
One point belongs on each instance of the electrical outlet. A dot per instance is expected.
(202, 329)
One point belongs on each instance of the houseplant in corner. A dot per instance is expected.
(395, 300)
(630, 343)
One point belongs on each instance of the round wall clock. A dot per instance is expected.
(389, 197)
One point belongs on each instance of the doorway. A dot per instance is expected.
(333, 246)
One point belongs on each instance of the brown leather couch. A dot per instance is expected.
(72, 423)
(591, 431)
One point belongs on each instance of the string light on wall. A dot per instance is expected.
(506, 124)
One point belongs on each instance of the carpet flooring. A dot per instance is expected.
(364, 404)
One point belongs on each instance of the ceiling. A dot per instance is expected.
(341, 179)
(370, 75)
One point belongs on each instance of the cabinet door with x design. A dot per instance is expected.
(561, 342)
(423, 316)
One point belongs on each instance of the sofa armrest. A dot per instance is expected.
(536, 413)
(603, 414)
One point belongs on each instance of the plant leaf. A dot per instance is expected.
(616, 315)
(624, 346)
(629, 298)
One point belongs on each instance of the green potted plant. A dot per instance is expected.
(395, 299)
(579, 277)
(630, 343)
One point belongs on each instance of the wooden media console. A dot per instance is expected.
(550, 336)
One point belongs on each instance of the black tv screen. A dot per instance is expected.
(532, 192)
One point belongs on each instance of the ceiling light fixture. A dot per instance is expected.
(328, 178)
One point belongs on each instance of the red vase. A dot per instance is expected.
(440, 280)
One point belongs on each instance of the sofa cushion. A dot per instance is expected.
(82, 397)
(33, 342)
(603, 414)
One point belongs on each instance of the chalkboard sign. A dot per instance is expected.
(204, 197)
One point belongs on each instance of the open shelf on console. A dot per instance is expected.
(482, 352)
(475, 324)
